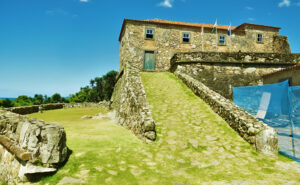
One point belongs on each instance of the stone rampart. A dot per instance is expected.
(130, 102)
(102, 104)
(237, 57)
(258, 134)
(222, 71)
(29, 147)
(34, 108)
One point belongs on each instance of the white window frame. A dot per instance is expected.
(223, 36)
(146, 33)
(186, 35)
(258, 38)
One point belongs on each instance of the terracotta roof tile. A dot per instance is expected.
(224, 27)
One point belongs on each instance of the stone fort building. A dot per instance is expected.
(150, 44)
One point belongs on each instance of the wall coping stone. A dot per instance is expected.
(235, 58)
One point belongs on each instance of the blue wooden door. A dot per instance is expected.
(149, 61)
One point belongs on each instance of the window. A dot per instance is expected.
(186, 37)
(222, 40)
(260, 38)
(149, 33)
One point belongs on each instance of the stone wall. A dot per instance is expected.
(103, 104)
(29, 147)
(131, 105)
(222, 71)
(34, 108)
(291, 73)
(258, 134)
(281, 45)
(168, 40)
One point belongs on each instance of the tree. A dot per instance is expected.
(92, 82)
(56, 98)
(109, 84)
(38, 99)
(23, 100)
(7, 103)
(101, 88)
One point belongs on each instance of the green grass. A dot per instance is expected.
(194, 145)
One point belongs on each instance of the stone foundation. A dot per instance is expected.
(29, 147)
(258, 134)
(130, 102)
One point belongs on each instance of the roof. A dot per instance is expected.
(191, 25)
(282, 70)
(255, 25)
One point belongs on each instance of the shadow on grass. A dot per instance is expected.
(34, 178)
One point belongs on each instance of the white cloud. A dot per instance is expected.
(286, 3)
(84, 1)
(298, 4)
(251, 19)
(249, 8)
(166, 3)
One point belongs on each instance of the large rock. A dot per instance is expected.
(22, 136)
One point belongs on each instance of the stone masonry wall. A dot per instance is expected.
(131, 106)
(102, 104)
(29, 147)
(168, 40)
(281, 45)
(222, 71)
(34, 108)
(258, 134)
(293, 74)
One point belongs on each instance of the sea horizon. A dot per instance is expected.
(4, 98)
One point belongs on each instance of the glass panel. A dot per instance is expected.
(259, 38)
(149, 31)
(222, 40)
(186, 40)
(149, 34)
(186, 35)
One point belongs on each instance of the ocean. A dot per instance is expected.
(3, 98)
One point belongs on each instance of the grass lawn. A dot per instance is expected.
(194, 145)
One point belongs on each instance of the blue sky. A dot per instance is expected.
(49, 46)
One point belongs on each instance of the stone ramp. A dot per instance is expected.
(184, 120)
(188, 127)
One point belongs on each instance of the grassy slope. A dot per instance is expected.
(194, 145)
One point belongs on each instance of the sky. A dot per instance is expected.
(58, 46)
